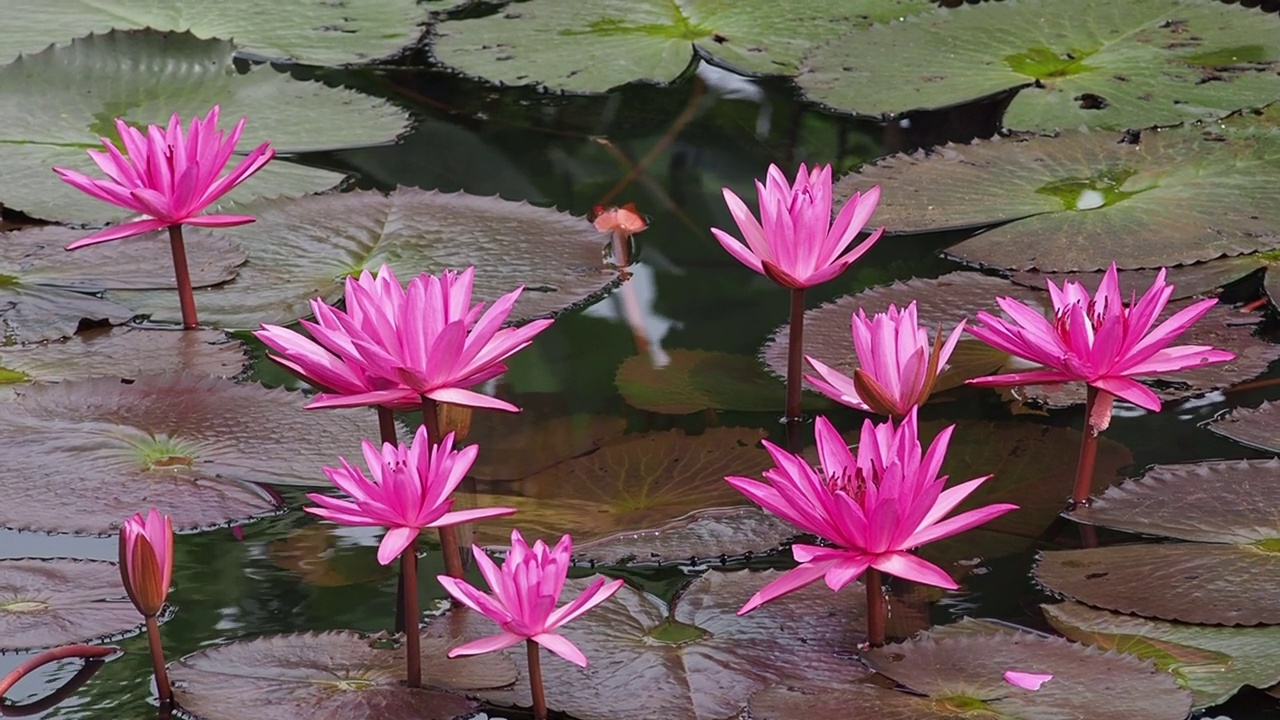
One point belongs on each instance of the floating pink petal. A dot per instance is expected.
(1027, 680)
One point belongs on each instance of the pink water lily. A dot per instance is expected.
(146, 560)
(1097, 340)
(168, 176)
(525, 590)
(392, 346)
(1027, 680)
(873, 508)
(407, 489)
(795, 243)
(897, 363)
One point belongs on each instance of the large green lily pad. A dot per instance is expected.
(1256, 427)
(1211, 661)
(1099, 63)
(699, 538)
(592, 48)
(306, 247)
(122, 353)
(331, 674)
(62, 100)
(697, 380)
(49, 602)
(192, 446)
(311, 32)
(958, 672)
(632, 483)
(1082, 200)
(695, 658)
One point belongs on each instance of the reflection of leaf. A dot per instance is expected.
(1203, 583)
(303, 248)
(698, 380)
(1256, 427)
(631, 483)
(697, 538)
(124, 353)
(1077, 62)
(696, 658)
(514, 446)
(1254, 652)
(45, 603)
(329, 675)
(315, 554)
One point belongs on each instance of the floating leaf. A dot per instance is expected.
(310, 32)
(1079, 201)
(31, 313)
(958, 673)
(317, 555)
(631, 483)
(1132, 64)
(1253, 652)
(62, 100)
(304, 248)
(45, 603)
(719, 535)
(514, 446)
(697, 380)
(190, 445)
(123, 353)
(1256, 427)
(332, 675)
(696, 658)
(593, 48)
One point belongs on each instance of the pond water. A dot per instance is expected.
(669, 150)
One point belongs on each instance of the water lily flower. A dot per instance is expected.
(394, 346)
(872, 508)
(795, 243)
(407, 489)
(1027, 680)
(897, 364)
(626, 219)
(146, 560)
(168, 176)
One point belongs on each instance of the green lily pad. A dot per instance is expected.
(697, 380)
(123, 353)
(632, 483)
(192, 446)
(1082, 200)
(1253, 653)
(1256, 427)
(709, 536)
(1116, 65)
(517, 445)
(960, 674)
(306, 247)
(309, 32)
(62, 100)
(331, 674)
(694, 658)
(49, 602)
(592, 48)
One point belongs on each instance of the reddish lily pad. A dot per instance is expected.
(958, 673)
(1256, 427)
(517, 445)
(632, 482)
(45, 603)
(695, 658)
(123, 353)
(31, 313)
(698, 538)
(331, 675)
(193, 446)
(1212, 661)
(305, 247)
(697, 380)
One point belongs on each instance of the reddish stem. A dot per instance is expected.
(877, 613)
(163, 689)
(535, 681)
(186, 295)
(449, 546)
(1088, 454)
(387, 425)
(412, 647)
(65, 652)
(795, 359)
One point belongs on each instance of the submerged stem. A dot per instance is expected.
(535, 681)
(412, 649)
(1088, 453)
(186, 296)
(795, 355)
(876, 611)
(163, 689)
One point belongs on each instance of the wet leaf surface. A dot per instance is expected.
(127, 352)
(633, 482)
(697, 380)
(1256, 427)
(331, 674)
(694, 659)
(32, 313)
(1082, 200)
(710, 536)
(190, 445)
(305, 248)
(514, 446)
(1192, 653)
(60, 601)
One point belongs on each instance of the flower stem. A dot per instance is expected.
(88, 653)
(412, 648)
(186, 296)
(795, 356)
(157, 661)
(386, 425)
(448, 535)
(535, 681)
(1088, 454)
(876, 610)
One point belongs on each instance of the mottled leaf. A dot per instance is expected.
(60, 601)
(123, 353)
(305, 248)
(1256, 427)
(698, 538)
(697, 380)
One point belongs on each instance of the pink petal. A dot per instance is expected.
(493, 643)
(561, 646)
(1027, 680)
(395, 542)
(790, 581)
(909, 567)
(116, 232)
